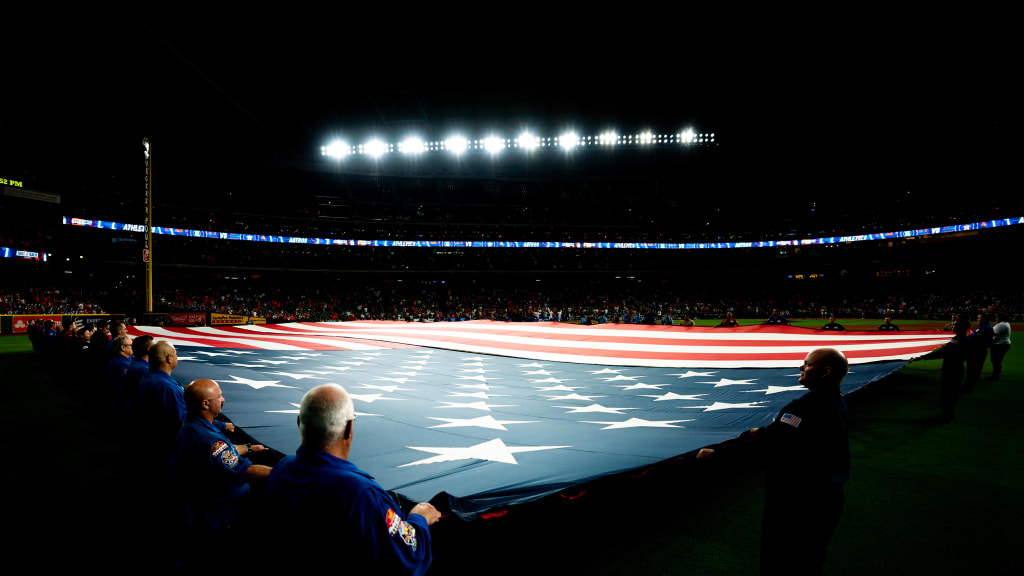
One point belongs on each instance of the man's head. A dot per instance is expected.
(325, 418)
(204, 397)
(888, 320)
(982, 319)
(163, 356)
(117, 328)
(122, 345)
(823, 368)
(831, 319)
(141, 345)
(1002, 317)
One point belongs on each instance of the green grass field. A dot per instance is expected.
(923, 498)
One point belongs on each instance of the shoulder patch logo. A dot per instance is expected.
(217, 448)
(791, 419)
(402, 528)
(229, 458)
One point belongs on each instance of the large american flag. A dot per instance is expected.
(498, 413)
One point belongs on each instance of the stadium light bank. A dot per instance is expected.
(527, 141)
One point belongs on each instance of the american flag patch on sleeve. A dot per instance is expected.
(790, 419)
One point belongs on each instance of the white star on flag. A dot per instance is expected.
(382, 388)
(399, 380)
(471, 364)
(778, 389)
(181, 358)
(474, 405)
(294, 357)
(531, 365)
(367, 356)
(481, 378)
(639, 423)
(552, 380)
(691, 374)
(296, 376)
(619, 377)
(476, 370)
(274, 361)
(240, 364)
(540, 372)
(559, 388)
(210, 353)
(370, 398)
(476, 386)
(674, 396)
(405, 373)
(256, 384)
(320, 372)
(487, 421)
(728, 382)
(338, 368)
(309, 354)
(241, 351)
(417, 362)
(725, 406)
(595, 408)
(492, 450)
(573, 397)
(352, 363)
(606, 371)
(403, 366)
(641, 386)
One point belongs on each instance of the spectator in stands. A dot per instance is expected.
(833, 325)
(211, 471)
(728, 322)
(1000, 343)
(888, 326)
(320, 501)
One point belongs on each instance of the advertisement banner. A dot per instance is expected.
(257, 320)
(227, 320)
(20, 324)
(187, 319)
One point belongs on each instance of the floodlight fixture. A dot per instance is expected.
(336, 149)
(411, 145)
(687, 136)
(375, 148)
(608, 138)
(493, 144)
(568, 140)
(456, 145)
(528, 141)
(645, 137)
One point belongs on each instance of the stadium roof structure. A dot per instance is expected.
(229, 98)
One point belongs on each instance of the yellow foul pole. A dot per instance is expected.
(147, 252)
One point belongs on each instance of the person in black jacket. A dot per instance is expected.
(808, 459)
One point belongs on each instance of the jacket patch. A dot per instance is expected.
(791, 419)
(397, 526)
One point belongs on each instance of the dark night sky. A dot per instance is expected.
(223, 93)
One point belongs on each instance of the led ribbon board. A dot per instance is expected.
(139, 228)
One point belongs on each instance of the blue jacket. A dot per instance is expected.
(210, 475)
(324, 503)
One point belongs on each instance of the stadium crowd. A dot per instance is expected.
(438, 301)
